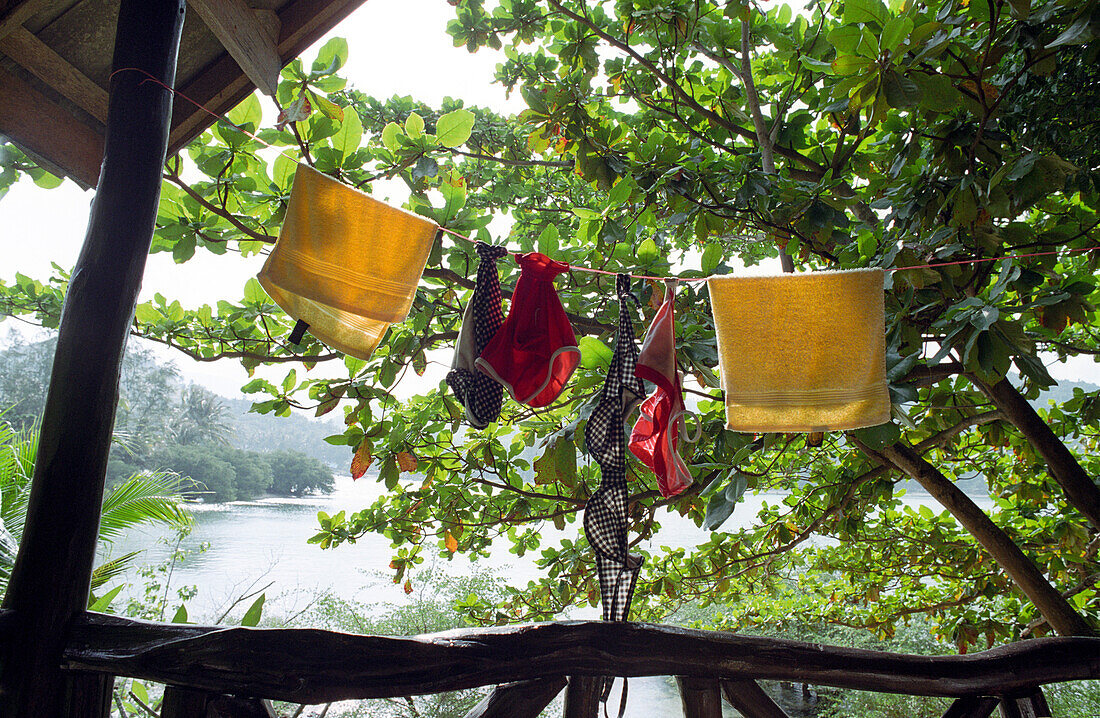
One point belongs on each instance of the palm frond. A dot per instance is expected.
(104, 572)
(147, 497)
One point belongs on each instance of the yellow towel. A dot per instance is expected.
(802, 352)
(345, 263)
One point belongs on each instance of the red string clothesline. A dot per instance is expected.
(930, 265)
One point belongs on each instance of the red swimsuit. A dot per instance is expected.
(534, 352)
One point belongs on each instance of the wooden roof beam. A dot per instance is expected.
(42, 127)
(39, 58)
(243, 34)
(221, 86)
(18, 15)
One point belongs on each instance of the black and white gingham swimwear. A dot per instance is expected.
(605, 516)
(479, 393)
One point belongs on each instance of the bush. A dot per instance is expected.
(203, 465)
(296, 474)
(253, 471)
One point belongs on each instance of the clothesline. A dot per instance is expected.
(581, 268)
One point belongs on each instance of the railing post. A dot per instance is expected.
(972, 707)
(700, 697)
(750, 700)
(50, 579)
(582, 696)
(521, 699)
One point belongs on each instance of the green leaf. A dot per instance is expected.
(879, 437)
(104, 602)
(594, 353)
(712, 257)
(454, 128)
(647, 251)
(719, 508)
(850, 64)
(845, 39)
(1079, 32)
(900, 91)
(937, 92)
(283, 170)
(895, 33)
(180, 615)
(331, 57)
(414, 125)
(865, 11)
(145, 313)
(548, 240)
(558, 464)
(328, 108)
(248, 115)
(253, 292)
(347, 138)
(252, 615)
(739, 483)
(454, 200)
(389, 136)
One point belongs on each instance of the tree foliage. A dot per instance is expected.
(946, 142)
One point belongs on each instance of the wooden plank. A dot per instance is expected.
(313, 666)
(750, 700)
(972, 707)
(18, 15)
(241, 32)
(582, 697)
(700, 697)
(46, 129)
(222, 85)
(522, 699)
(36, 56)
(50, 579)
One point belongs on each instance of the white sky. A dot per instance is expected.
(396, 47)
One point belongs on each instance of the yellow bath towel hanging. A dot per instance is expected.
(802, 352)
(345, 263)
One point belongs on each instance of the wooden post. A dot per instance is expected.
(50, 580)
(582, 696)
(750, 700)
(522, 699)
(188, 703)
(1029, 704)
(700, 697)
(972, 707)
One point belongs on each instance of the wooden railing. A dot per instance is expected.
(211, 668)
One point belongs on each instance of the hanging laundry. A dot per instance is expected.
(345, 263)
(655, 439)
(605, 513)
(802, 352)
(534, 352)
(605, 517)
(478, 392)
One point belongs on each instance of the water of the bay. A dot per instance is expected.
(256, 543)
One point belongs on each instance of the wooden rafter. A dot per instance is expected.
(50, 131)
(18, 15)
(243, 34)
(222, 85)
(39, 58)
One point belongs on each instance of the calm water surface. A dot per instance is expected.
(254, 543)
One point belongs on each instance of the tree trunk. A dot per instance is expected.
(1081, 491)
(50, 580)
(1004, 550)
